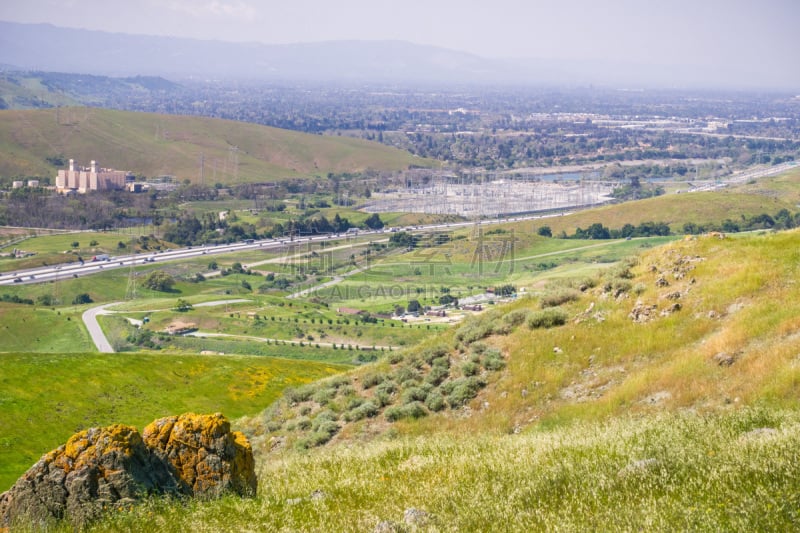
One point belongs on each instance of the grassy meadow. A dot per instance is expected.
(40, 406)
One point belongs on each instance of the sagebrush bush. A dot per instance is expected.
(323, 396)
(383, 398)
(395, 357)
(547, 318)
(429, 354)
(365, 410)
(405, 373)
(437, 375)
(299, 394)
(442, 362)
(476, 328)
(462, 390)
(410, 410)
(414, 394)
(386, 387)
(559, 297)
(493, 360)
(470, 368)
(435, 401)
(371, 379)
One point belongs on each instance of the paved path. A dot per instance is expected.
(98, 337)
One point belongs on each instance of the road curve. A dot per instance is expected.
(98, 337)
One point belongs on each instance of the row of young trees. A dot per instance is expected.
(783, 219)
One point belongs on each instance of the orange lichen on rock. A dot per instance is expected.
(105, 468)
(206, 456)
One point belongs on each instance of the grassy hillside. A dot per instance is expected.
(47, 397)
(154, 144)
(678, 209)
(666, 397)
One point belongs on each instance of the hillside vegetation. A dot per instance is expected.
(156, 144)
(660, 395)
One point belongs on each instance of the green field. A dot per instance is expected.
(45, 398)
(154, 144)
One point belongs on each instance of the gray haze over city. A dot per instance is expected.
(719, 40)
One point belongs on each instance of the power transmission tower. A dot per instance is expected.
(130, 291)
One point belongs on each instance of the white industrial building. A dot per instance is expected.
(83, 180)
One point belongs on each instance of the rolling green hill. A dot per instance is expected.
(666, 398)
(153, 144)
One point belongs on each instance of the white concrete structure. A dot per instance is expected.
(83, 180)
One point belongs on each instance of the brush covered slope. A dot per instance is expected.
(154, 144)
(661, 395)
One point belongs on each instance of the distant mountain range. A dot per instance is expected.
(49, 48)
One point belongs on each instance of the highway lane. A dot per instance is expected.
(70, 270)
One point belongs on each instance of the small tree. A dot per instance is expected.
(183, 306)
(82, 298)
(373, 221)
(76, 244)
(545, 231)
(158, 280)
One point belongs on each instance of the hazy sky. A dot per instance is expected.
(704, 33)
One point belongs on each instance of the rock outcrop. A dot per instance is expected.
(205, 455)
(101, 469)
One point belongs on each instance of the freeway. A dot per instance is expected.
(73, 270)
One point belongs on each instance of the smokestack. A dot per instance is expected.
(72, 165)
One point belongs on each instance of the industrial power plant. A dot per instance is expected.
(84, 179)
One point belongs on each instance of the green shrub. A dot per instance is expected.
(383, 398)
(300, 394)
(414, 394)
(365, 410)
(479, 347)
(472, 332)
(430, 354)
(470, 369)
(435, 401)
(303, 423)
(493, 360)
(405, 373)
(547, 318)
(347, 390)
(352, 403)
(323, 396)
(387, 387)
(437, 375)
(412, 410)
(372, 379)
(442, 362)
(460, 391)
(559, 297)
